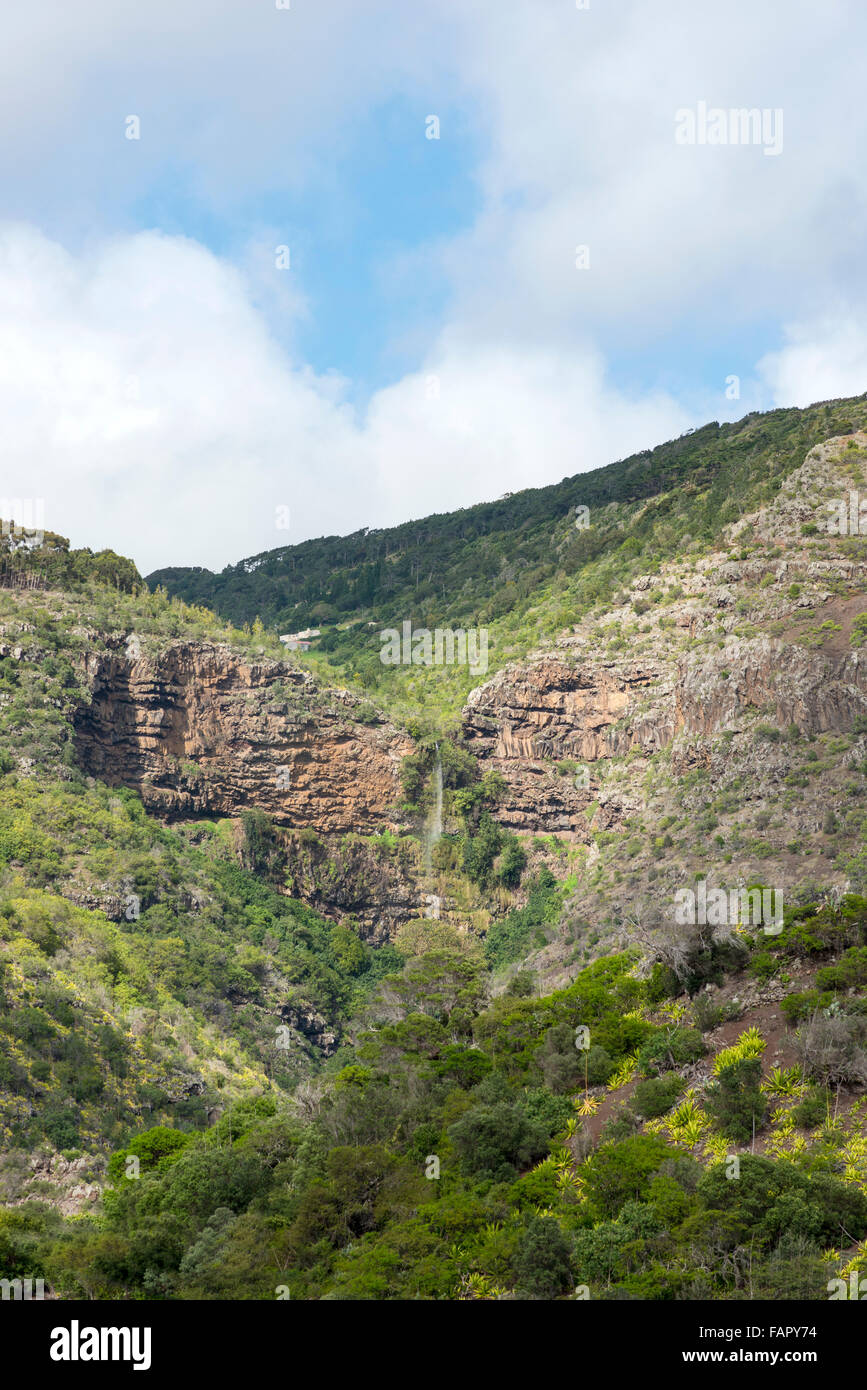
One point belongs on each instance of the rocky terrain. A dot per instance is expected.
(712, 722)
(736, 670)
(707, 649)
(201, 732)
(282, 947)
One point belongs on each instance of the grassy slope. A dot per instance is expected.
(171, 1008)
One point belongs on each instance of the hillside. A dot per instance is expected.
(326, 980)
(501, 558)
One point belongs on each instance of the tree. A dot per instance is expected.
(736, 1103)
(543, 1263)
(493, 1141)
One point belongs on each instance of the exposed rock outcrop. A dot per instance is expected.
(557, 709)
(376, 885)
(716, 646)
(200, 732)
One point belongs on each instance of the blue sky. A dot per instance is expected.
(167, 389)
(387, 196)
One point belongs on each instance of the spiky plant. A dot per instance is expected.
(783, 1119)
(474, 1286)
(716, 1147)
(784, 1081)
(624, 1073)
(749, 1044)
(688, 1122)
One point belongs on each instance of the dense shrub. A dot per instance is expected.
(655, 1096)
(670, 1048)
(736, 1103)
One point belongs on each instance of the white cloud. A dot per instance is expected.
(819, 360)
(145, 401)
(143, 392)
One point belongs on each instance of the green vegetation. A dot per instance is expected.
(519, 566)
(274, 1106)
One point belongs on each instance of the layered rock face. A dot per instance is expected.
(198, 731)
(375, 885)
(787, 683)
(720, 645)
(529, 718)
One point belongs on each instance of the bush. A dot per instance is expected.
(467, 1066)
(832, 1051)
(511, 863)
(771, 1200)
(494, 1141)
(811, 1111)
(511, 938)
(736, 1104)
(656, 1095)
(801, 1005)
(600, 1066)
(708, 1014)
(618, 1172)
(543, 1264)
(670, 1048)
(559, 1060)
(522, 985)
(849, 973)
(763, 966)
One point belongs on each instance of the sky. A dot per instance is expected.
(274, 273)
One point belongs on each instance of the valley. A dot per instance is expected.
(278, 928)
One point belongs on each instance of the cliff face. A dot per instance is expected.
(529, 718)
(200, 732)
(374, 884)
(722, 668)
(712, 722)
(699, 650)
(813, 691)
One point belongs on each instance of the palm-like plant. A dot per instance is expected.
(474, 1286)
(784, 1081)
(749, 1044)
(688, 1122)
(716, 1147)
(624, 1073)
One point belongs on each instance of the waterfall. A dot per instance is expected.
(434, 827)
(438, 800)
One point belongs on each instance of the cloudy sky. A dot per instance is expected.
(284, 299)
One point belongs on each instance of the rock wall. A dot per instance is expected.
(571, 709)
(201, 732)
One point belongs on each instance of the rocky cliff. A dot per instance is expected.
(690, 654)
(728, 666)
(713, 721)
(201, 732)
